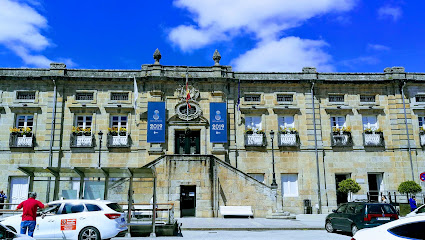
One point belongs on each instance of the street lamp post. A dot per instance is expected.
(100, 144)
(274, 184)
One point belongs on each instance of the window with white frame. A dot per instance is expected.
(253, 123)
(336, 98)
(285, 97)
(338, 122)
(84, 121)
(252, 97)
(258, 176)
(25, 95)
(420, 98)
(119, 122)
(289, 184)
(84, 96)
(370, 122)
(421, 122)
(285, 122)
(25, 121)
(119, 96)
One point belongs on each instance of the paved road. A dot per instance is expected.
(256, 235)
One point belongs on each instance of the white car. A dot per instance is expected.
(6, 233)
(76, 219)
(404, 228)
(418, 211)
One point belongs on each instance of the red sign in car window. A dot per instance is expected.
(68, 224)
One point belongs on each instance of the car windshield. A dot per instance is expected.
(53, 208)
(115, 206)
(380, 209)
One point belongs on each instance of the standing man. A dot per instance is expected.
(412, 202)
(3, 198)
(30, 213)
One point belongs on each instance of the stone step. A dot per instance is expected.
(280, 215)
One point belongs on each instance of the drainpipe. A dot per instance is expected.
(52, 135)
(407, 130)
(319, 195)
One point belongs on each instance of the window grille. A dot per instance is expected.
(285, 98)
(336, 98)
(253, 98)
(84, 96)
(420, 98)
(119, 96)
(27, 95)
(367, 98)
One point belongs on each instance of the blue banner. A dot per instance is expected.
(218, 123)
(156, 122)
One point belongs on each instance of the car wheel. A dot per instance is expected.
(89, 233)
(12, 228)
(329, 227)
(354, 229)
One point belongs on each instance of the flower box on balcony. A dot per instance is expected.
(255, 139)
(288, 139)
(21, 141)
(373, 139)
(341, 139)
(82, 140)
(117, 140)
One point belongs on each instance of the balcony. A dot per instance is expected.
(118, 141)
(341, 139)
(83, 141)
(422, 138)
(255, 140)
(288, 139)
(373, 139)
(21, 141)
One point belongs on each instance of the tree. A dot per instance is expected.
(409, 187)
(349, 186)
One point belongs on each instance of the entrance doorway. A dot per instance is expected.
(375, 186)
(188, 142)
(187, 201)
(18, 190)
(340, 196)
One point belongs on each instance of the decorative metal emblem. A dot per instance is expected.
(194, 93)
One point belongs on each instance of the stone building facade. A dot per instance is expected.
(327, 127)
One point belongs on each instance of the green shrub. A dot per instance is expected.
(409, 187)
(348, 186)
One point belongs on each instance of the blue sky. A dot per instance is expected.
(251, 35)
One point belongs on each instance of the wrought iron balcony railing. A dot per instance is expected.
(21, 141)
(341, 139)
(373, 139)
(422, 138)
(82, 141)
(118, 141)
(288, 139)
(255, 140)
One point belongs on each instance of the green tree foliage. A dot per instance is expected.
(348, 186)
(409, 187)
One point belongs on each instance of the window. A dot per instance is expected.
(351, 208)
(413, 230)
(257, 176)
(115, 206)
(370, 122)
(69, 208)
(367, 98)
(285, 98)
(84, 96)
(119, 122)
(336, 98)
(338, 121)
(285, 122)
(84, 122)
(118, 96)
(253, 123)
(25, 121)
(289, 185)
(342, 208)
(420, 98)
(421, 121)
(252, 98)
(93, 208)
(25, 95)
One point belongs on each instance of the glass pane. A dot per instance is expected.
(421, 121)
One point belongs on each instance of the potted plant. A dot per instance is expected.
(368, 130)
(26, 132)
(123, 131)
(249, 130)
(346, 129)
(15, 131)
(349, 186)
(113, 131)
(77, 131)
(259, 131)
(87, 131)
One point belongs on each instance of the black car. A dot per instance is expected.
(352, 216)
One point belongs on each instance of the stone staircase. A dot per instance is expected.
(281, 215)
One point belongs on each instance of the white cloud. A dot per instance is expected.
(220, 19)
(20, 31)
(287, 54)
(378, 47)
(389, 11)
(365, 60)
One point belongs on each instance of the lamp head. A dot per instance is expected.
(272, 134)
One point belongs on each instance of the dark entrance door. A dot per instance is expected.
(187, 201)
(340, 196)
(188, 142)
(373, 187)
